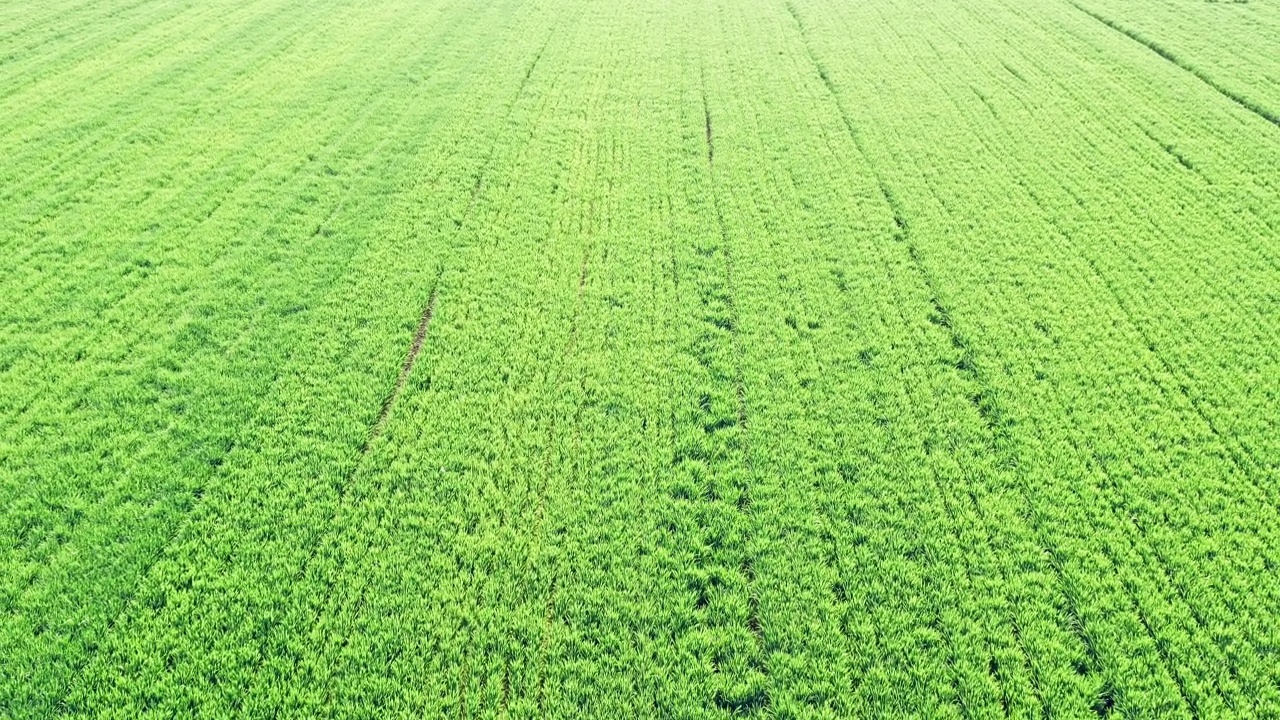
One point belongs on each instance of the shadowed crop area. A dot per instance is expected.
(640, 359)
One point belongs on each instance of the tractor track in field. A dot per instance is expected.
(200, 492)
(762, 701)
(1119, 507)
(411, 359)
(739, 381)
(1241, 455)
(998, 423)
(984, 402)
(422, 330)
(428, 312)
(540, 521)
(1181, 64)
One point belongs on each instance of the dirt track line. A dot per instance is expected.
(744, 501)
(711, 148)
(419, 337)
(1154, 47)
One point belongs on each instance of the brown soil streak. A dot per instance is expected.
(419, 337)
(711, 147)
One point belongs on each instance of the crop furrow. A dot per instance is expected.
(1200, 75)
(415, 347)
(983, 401)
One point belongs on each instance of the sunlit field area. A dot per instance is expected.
(640, 358)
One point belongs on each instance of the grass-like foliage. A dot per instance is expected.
(640, 358)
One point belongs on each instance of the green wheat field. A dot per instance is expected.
(640, 359)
